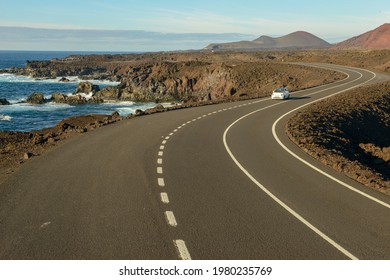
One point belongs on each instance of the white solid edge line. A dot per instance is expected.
(182, 248)
(281, 203)
(270, 194)
(312, 166)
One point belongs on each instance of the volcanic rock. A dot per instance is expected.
(64, 80)
(109, 93)
(86, 87)
(4, 101)
(36, 98)
(58, 97)
(76, 99)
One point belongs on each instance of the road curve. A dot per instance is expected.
(214, 182)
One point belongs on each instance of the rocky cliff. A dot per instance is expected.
(182, 77)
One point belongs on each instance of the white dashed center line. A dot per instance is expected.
(164, 197)
(170, 218)
(182, 248)
(161, 182)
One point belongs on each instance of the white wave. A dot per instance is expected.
(16, 101)
(11, 78)
(76, 79)
(26, 107)
(101, 82)
(169, 104)
(116, 103)
(5, 118)
(125, 108)
(124, 111)
(87, 96)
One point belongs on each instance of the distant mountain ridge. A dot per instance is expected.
(378, 38)
(295, 40)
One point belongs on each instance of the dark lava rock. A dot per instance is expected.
(109, 93)
(86, 87)
(64, 80)
(58, 97)
(4, 101)
(36, 98)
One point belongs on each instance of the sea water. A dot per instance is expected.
(20, 116)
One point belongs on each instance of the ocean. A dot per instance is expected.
(20, 116)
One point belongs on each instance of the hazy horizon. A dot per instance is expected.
(170, 25)
(116, 41)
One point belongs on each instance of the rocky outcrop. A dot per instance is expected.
(64, 80)
(109, 93)
(59, 98)
(63, 68)
(349, 132)
(183, 76)
(194, 81)
(201, 81)
(85, 93)
(36, 98)
(86, 87)
(75, 99)
(4, 101)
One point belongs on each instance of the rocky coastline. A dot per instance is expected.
(180, 77)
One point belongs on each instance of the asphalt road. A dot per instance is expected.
(213, 182)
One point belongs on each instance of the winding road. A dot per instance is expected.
(213, 182)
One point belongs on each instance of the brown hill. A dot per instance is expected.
(296, 40)
(378, 38)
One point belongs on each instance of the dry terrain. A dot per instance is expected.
(347, 132)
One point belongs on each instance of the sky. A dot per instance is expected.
(179, 24)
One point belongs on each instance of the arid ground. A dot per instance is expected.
(348, 132)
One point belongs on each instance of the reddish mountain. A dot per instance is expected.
(296, 40)
(378, 38)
